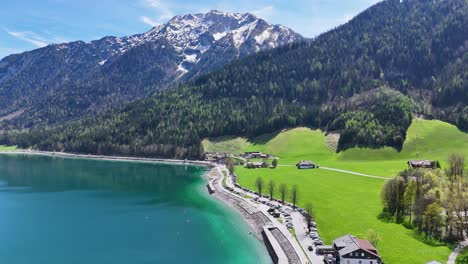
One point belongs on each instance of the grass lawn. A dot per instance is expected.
(345, 203)
(462, 257)
(426, 139)
(234, 145)
(7, 148)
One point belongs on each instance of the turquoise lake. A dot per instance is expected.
(59, 210)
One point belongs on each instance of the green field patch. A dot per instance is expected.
(7, 148)
(462, 257)
(345, 203)
(234, 145)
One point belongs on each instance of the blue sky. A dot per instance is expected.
(29, 24)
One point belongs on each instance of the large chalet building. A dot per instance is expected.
(351, 250)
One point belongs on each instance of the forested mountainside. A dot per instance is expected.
(364, 79)
(63, 81)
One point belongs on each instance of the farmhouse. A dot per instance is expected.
(254, 165)
(255, 154)
(351, 250)
(305, 164)
(422, 164)
(215, 157)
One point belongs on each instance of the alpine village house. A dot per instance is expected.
(305, 164)
(352, 250)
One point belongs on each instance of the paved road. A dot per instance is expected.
(344, 171)
(354, 173)
(292, 246)
(456, 251)
(300, 226)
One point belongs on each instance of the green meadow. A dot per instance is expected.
(7, 148)
(345, 203)
(426, 139)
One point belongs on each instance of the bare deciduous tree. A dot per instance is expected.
(271, 188)
(259, 184)
(373, 237)
(294, 194)
(229, 165)
(309, 209)
(456, 167)
(283, 191)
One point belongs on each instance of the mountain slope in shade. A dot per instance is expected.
(364, 80)
(63, 81)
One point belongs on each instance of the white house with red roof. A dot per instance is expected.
(352, 250)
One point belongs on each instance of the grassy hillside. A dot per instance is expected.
(234, 145)
(7, 148)
(345, 203)
(364, 78)
(426, 139)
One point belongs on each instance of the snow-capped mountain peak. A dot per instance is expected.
(135, 66)
(195, 34)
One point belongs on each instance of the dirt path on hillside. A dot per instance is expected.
(456, 251)
(354, 173)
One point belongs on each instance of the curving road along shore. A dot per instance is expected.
(293, 249)
(103, 157)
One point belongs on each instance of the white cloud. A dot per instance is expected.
(149, 21)
(36, 39)
(162, 9)
(265, 12)
(29, 36)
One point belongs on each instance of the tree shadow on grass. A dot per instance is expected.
(265, 138)
(421, 236)
(222, 138)
(386, 217)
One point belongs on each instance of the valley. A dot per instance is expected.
(363, 125)
(346, 203)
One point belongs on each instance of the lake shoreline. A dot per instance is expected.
(109, 158)
(214, 172)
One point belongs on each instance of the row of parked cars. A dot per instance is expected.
(313, 234)
(233, 191)
(276, 210)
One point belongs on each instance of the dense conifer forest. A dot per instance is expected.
(364, 79)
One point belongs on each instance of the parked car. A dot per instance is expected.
(318, 242)
(289, 225)
(310, 248)
(276, 214)
(328, 259)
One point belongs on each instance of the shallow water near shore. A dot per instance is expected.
(62, 210)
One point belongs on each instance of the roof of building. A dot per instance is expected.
(257, 163)
(305, 162)
(421, 162)
(349, 243)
